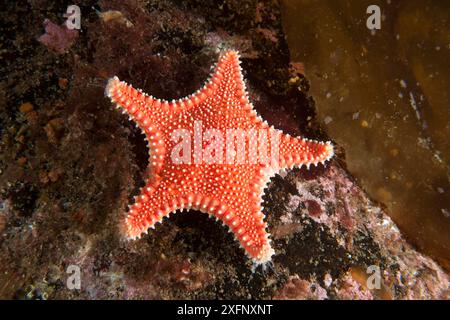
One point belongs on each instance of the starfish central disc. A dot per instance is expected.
(211, 152)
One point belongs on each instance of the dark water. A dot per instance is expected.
(384, 97)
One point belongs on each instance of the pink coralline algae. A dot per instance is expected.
(300, 289)
(57, 38)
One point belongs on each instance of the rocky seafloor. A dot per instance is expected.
(70, 164)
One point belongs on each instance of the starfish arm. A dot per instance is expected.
(137, 105)
(225, 80)
(148, 112)
(249, 229)
(156, 202)
(245, 221)
(297, 151)
(228, 81)
(243, 216)
(224, 96)
(131, 101)
(149, 208)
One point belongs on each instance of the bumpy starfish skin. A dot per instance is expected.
(229, 192)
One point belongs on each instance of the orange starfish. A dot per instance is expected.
(229, 189)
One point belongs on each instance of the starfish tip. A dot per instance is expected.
(112, 82)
